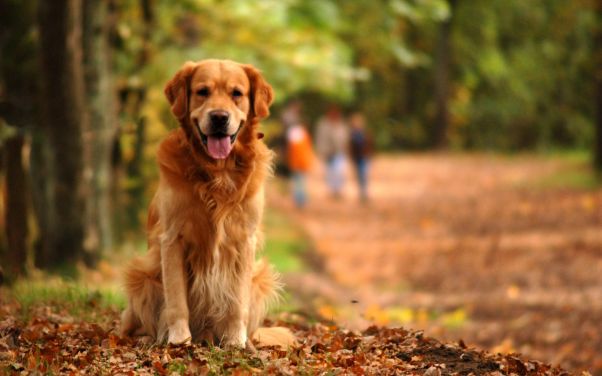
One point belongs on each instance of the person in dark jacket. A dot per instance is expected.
(361, 147)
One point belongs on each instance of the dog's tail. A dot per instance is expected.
(266, 291)
(275, 336)
(266, 284)
(143, 288)
(266, 287)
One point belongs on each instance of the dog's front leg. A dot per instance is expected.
(234, 327)
(175, 290)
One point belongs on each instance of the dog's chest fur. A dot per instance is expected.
(215, 211)
(219, 259)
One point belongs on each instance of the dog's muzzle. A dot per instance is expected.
(219, 144)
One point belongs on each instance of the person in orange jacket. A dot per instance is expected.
(300, 157)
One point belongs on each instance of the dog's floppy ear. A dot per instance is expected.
(177, 90)
(262, 94)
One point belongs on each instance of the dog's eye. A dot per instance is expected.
(236, 93)
(203, 92)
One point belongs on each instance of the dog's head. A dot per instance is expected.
(216, 100)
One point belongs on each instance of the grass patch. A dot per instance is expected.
(580, 156)
(74, 297)
(576, 173)
(285, 243)
(285, 246)
(582, 179)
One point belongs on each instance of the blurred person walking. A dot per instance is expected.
(289, 117)
(361, 147)
(332, 139)
(300, 159)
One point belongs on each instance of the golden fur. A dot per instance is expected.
(199, 279)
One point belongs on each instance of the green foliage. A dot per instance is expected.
(523, 71)
(520, 69)
(294, 42)
(336, 50)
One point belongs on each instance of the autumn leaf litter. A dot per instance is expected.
(52, 343)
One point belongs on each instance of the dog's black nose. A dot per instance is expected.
(219, 118)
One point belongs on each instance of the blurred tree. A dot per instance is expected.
(97, 22)
(16, 207)
(443, 57)
(63, 118)
(17, 108)
(598, 81)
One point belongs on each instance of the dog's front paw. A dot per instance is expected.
(179, 333)
(238, 337)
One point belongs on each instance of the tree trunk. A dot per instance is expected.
(41, 197)
(102, 127)
(18, 79)
(442, 82)
(63, 119)
(16, 207)
(598, 83)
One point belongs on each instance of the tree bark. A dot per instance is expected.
(16, 207)
(442, 81)
(598, 89)
(62, 123)
(102, 127)
(18, 78)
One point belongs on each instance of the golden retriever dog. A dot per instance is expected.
(199, 279)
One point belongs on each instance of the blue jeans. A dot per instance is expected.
(335, 173)
(361, 170)
(299, 190)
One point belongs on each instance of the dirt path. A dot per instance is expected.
(470, 247)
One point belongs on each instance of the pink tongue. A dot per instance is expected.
(219, 147)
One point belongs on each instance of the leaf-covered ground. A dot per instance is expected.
(503, 252)
(53, 342)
